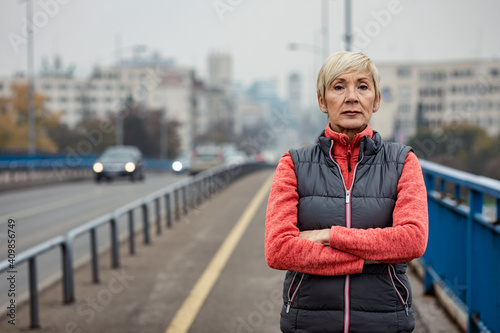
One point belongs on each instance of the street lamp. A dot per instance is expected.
(348, 32)
(30, 77)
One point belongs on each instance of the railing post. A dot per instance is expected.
(115, 259)
(442, 186)
(497, 210)
(68, 277)
(193, 195)
(168, 210)
(430, 182)
(34, 318)
(476, 207)
(428, 280)
(145, 221)
(199, 196)
(131, 232)
(458, 194)
(184, 199)
(95, 256)
(158, 216)
(176, 202)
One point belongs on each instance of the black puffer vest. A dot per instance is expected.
(378, 299)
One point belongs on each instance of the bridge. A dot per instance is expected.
(185, 254)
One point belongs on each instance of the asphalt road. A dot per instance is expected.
(206, 274)
(42, 213)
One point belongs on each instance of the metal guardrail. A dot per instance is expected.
(463, 253)
(186, 194)
(68, 161)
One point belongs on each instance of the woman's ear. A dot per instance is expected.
(376, 105)
(322, 106)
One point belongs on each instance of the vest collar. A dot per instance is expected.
(369, 140)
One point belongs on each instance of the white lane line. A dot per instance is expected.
(187, 313)
(47, 207)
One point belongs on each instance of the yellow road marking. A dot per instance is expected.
(189, 310)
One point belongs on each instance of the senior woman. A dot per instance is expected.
(346, 214)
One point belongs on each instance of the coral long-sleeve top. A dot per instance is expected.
(404, 241)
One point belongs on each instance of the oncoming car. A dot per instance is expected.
(119, 161)
(206, 157)
(182, 164)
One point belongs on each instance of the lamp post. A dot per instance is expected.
(348, 32)
(30, 77)
(325, 28)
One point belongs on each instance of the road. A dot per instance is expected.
(44, 212)
(206, 274)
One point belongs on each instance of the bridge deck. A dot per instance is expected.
(146, 293)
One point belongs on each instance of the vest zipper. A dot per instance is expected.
(348, 192)
(291, 296)
(404, 302)
(349, 158)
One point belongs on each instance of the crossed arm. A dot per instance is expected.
(340, 251)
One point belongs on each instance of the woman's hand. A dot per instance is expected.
(321, 236)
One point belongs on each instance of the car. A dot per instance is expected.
(182, 164)
(119, 162)
(206, 157)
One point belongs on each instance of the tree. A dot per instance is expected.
(14, 121)
(136, 134)
(89, 137)
(462, 146)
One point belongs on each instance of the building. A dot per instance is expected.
(151, 82)
(220, 72)
(417, 95)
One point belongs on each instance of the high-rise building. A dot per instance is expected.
(220, 72)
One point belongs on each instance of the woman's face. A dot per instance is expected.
(349, 102)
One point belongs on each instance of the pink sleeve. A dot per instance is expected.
(284, 249)
(407, 238)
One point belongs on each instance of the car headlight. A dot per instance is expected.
(98, 167)
(177, 166)
(130, 167)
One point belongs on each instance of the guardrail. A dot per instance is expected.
(25, 169)
(68, 161)
(463, 253)
(186, 194)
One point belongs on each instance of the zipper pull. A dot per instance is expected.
(406, 308)
(288, 307)
(347, 196)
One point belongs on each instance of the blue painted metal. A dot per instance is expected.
(64, 161)
(463, 252)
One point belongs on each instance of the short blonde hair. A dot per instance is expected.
(346, 62)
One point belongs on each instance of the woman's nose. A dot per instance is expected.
(351, 95)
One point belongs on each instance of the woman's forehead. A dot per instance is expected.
(354, 75)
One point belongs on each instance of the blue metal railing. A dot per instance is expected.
(463, 253)
(65, 161)
(188, 194)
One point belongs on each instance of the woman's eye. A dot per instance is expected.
(337, 87)
(363, 87)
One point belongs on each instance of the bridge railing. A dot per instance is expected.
(186, 194)
(463, 253)
(26, 169)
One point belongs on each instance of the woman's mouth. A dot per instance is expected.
(351, 112)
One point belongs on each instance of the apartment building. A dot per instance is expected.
(416, 95)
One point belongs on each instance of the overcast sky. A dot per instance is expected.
(256, 32)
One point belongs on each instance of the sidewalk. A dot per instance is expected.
(146, 292)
